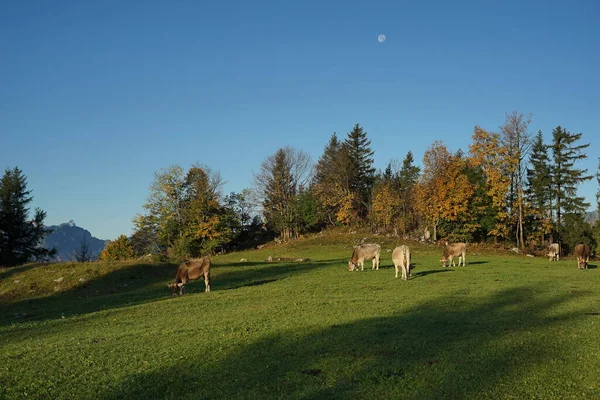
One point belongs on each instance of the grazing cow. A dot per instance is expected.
(401, 259)
(582, 252)
(364, 252)
(190, 270)
(453, 250)
(553, 251)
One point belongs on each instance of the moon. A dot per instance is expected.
(381, 38)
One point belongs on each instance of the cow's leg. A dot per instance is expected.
(362, 265)
(396, 268)
(404, 275)
(207, 282)
(378, 261)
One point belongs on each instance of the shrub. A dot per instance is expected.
(119, 249)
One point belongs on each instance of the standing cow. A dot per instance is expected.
(553, 251)
(364, 252)
(454, 250)
(401, 259)
(582, 252)
(190, 270)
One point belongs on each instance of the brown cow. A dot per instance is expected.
(401, 259)
(364, 252)
(554, 251)
(453, 250)
(190, 270)
(582, 252)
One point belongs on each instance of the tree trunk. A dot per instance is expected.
(520, 229)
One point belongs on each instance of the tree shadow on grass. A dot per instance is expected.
(266, 273)
(432, 351)
(141, 283)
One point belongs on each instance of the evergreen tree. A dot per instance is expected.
(281, 177)
(409, 174)
(331, 180)
(279, 208)
(361, 172)
(407, 179)
(19, 237)
(539, 180)
(565, 177)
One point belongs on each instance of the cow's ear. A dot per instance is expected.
(180, 284)
(168, 285)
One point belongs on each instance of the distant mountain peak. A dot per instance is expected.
(68, 237)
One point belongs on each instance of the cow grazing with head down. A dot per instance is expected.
(553, 251)
(364, 252)
(454, 250)
(582, 252)
(190, 270)
(401, 259)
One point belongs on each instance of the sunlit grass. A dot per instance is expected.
(504, 326)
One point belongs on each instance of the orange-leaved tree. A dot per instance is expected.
(444, 191)
(488, 152)
(119, 249)
(385, 205)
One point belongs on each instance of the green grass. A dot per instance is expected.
(503, 327)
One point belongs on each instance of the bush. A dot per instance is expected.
(119, 249)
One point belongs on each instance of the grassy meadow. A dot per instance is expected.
(505, 326)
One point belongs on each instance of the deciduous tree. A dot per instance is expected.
(516, 140)
(444, 191)
(119, 249)
(488, 153)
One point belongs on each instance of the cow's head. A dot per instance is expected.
(351, 266)
(175, 287)
(581, 263)
(443, 261)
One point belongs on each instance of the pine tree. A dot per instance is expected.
(362, 172)
(279, 208)
(407, 179)
(281, 178)
(331, 180)
(565, 177)
(409, 174)
(19, 237)
(539, 180)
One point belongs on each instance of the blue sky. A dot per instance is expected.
(95, 97)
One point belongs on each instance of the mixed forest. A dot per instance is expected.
(509, 187)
